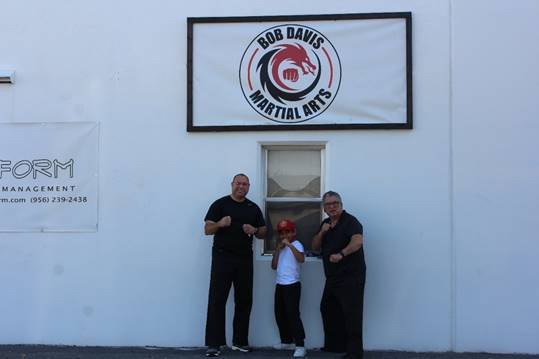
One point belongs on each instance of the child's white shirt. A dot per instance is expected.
(288, 268)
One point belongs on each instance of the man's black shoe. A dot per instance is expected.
(242, 348)
(213, 352)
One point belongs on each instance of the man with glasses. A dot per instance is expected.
(340, 240)
(233, 220)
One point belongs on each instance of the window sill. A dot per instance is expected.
(268, 257)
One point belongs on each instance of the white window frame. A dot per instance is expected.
(263, 148)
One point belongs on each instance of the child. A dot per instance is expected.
(286, 260)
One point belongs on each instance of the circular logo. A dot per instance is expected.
(290, 73)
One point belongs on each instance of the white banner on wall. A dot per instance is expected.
(48, 177)
(300, 72)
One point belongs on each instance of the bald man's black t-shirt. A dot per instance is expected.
(232, 239)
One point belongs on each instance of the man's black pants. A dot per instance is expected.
(287, 315)
(342, 316)
(229, 269)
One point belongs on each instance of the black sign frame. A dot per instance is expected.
(407, 16)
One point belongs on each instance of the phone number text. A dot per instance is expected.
(59, 199)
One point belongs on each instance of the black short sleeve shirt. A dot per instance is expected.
(232, 239)
(334, 241)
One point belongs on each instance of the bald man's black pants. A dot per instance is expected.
(229, 269)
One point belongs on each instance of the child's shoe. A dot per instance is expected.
(300, 352)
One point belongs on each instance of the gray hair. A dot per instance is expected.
(332, 194)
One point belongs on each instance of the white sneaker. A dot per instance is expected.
(285, 346)
(300, 352)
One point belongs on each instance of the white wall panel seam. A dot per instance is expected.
(453, 251)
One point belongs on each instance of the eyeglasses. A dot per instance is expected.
(331, 204)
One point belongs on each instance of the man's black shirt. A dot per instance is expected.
(334, 241)
(232, 239)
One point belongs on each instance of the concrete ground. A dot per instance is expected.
(71, 352)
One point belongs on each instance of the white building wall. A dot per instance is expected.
(448, 207)
(496, 175)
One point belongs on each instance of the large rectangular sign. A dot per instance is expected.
(48, 177)
(314, 72)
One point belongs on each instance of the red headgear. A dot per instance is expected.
(286, 224)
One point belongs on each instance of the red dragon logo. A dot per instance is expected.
(296, 55)
(294, 59)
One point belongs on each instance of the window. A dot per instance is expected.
(293, 185)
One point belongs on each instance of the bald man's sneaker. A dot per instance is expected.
(242, 348)
(213, 352)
